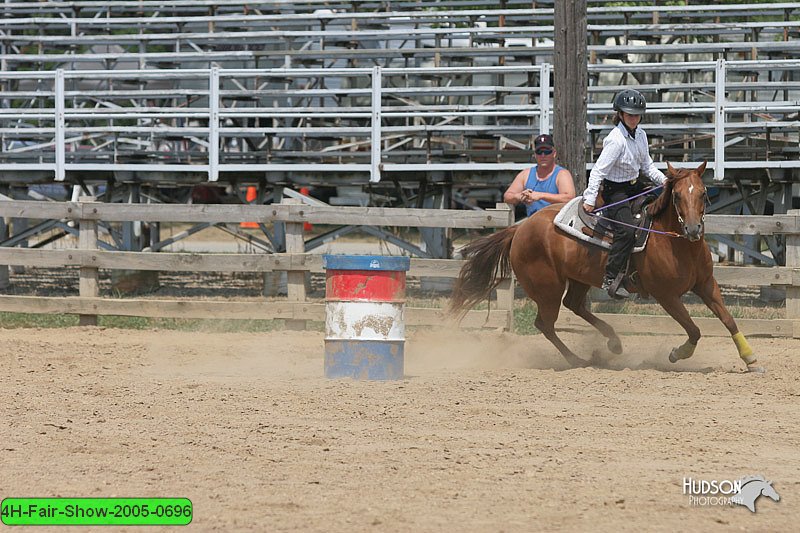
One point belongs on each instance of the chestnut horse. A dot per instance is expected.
(546, 261)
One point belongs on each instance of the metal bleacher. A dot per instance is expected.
(393, 93)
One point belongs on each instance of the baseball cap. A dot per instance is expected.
(543, 140)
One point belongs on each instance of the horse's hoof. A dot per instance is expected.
(675, 355)
(615, 346)
(755, 369)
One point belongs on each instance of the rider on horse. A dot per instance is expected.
(625, 155)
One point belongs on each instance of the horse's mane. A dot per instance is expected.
(661, 203)
(748, 479)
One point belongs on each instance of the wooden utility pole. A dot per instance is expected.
(571, 77)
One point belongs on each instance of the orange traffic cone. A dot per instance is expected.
(250, 196)
(306, 225)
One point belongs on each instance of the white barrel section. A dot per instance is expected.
(364, 321)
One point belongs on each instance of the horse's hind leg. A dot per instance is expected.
(575, 301)
(546, 321)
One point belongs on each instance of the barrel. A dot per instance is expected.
(364, 316)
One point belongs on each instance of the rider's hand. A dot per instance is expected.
(588, 208)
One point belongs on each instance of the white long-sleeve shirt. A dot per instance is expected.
(622, 159)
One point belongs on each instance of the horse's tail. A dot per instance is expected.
(487, 265)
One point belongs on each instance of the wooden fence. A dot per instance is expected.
(296, 309)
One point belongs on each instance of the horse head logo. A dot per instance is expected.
(752, 488)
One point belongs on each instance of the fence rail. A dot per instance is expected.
(296, 263)
(296, 310)
(362, 121)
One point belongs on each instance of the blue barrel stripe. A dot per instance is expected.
(370, 360)
(365, 262)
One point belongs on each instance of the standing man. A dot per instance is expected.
(544, 183)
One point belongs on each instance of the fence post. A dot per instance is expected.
(719, 121)
(295, 279)
(5, 280)
(544, 97)
(793, 261)
(60, 126)
(87, 240)
(505, 290)
(213, 124)
(375, 152)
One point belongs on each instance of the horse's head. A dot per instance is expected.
(769, 491)
(688, 195)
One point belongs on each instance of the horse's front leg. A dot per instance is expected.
(674, 306)
(708, 291)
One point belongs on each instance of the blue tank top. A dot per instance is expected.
(546, 185)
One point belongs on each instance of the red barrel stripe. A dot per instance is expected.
(369, 285)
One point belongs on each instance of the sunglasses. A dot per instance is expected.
(544, 152)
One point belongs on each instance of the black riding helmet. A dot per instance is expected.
(630, 101)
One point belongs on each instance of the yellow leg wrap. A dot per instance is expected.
(745, 351)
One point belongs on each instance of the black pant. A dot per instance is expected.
(624, 236)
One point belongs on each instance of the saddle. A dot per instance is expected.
(574, 221)
(602, 228)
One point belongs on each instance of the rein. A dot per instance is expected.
(651, 189)
(649, 230)
(596, 214)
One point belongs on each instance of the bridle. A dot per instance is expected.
(706, 201)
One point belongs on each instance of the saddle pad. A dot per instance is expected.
(569, 221)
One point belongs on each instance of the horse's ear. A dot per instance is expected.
(670, 170)
(702, 168)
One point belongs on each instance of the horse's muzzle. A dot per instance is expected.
(693, 232)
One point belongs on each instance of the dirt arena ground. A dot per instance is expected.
(488, 432)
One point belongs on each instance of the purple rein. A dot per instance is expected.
(595, 213)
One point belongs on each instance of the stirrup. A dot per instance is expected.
(620, 294)
(616, 289)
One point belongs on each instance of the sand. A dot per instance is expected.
(488, 432)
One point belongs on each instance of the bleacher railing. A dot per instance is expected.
(363, 121)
